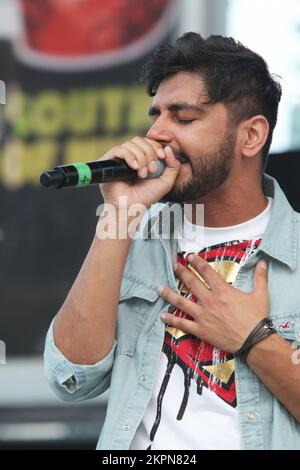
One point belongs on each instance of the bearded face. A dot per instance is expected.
(208, 171)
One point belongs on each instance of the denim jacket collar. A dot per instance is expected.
(280, 238)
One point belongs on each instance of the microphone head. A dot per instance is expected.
(160, 168)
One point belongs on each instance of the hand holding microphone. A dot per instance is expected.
(141, 169)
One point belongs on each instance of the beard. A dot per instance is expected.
(209, 171)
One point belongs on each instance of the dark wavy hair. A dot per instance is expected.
(233, 75)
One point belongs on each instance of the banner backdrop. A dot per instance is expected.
(72, 93)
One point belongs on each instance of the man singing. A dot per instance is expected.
(195, 335)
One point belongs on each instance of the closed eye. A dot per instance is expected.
(185, 122)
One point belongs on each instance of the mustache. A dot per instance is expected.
(180, 155)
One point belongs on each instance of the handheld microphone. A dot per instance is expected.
(83, 174)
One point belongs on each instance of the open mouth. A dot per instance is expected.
(182, 160)
(180, 156)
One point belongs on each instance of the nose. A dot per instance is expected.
(160, 132)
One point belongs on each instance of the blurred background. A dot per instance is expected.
(69, 90)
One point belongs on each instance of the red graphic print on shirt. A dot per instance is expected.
(206, 365)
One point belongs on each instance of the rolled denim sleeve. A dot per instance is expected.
(75, 382)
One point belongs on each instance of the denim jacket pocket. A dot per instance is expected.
(137, 300)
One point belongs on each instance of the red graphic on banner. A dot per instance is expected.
(80, 27)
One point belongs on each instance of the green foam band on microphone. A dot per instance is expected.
(84, 174)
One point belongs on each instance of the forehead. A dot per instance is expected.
(186, 87)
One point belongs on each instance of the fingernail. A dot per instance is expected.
(263, 264)
(152, 167)
(135, 164)
(191, 257)
(160, 289)
(144, 172)
(161, 153)
(163, 316)
(175, 266)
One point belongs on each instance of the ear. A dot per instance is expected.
(255, 132)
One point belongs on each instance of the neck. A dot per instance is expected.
(233, 203)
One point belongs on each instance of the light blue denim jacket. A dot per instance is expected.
(130, 368)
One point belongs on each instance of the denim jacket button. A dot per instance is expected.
(143, 378)
(126, 427)
(251, 416)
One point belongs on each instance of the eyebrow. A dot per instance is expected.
(176, 107)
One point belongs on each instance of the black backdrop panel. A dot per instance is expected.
(285, 167)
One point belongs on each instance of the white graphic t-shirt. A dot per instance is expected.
(194, 403)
